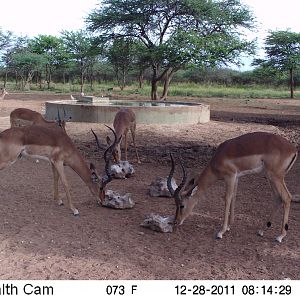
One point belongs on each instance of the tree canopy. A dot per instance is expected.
(282, 50)
(175, 33)
(80, 48)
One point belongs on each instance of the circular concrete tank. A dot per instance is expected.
(147, 112)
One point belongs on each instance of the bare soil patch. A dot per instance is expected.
(39, 240)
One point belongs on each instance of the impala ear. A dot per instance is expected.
(192, 192)
(191, 182)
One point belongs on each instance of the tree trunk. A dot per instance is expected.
(154, 83)
(81, 76)
(16, 78)
(28, 80)
(141, 78)
(41, 81)
(292, 83)
(167, 80)
(91, 78)
(154, 92)
(64, 77)
(123, 82)
(48, 76)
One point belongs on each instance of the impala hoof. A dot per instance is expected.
(60, 203)
(260, 233)
(75, 212)
(219, 236)
(278, 239)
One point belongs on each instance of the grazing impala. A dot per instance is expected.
(123, 122)
(3, 93)
(24, 116)
(246, 154)
(57, 147)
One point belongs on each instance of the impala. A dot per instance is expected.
(56, 147)
(24, 116)
(3, 93)
(247, 154)
(123, 122)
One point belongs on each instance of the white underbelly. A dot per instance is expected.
(35, 156)
(251, 171)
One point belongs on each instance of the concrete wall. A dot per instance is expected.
(190, 114)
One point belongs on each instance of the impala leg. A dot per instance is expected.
(125, 145)
(55, 186)
(60, 169)
(280, 195)
(134, 144)
(230, 187)
(232, 206)
(286, 199)
(275, 207)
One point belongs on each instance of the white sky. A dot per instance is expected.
(276, 14)
(34, 17)
(271, 15)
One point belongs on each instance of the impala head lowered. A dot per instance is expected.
(181, 196)
(104, 180)
(250, 153)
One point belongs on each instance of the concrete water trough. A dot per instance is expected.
(147, 112)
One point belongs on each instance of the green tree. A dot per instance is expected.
(52, 49)
(176, 33)
(26, 64)
(121, 56)
(282, 53)
(80, 47)
(18, 44)
(5, 39)
(6, 42)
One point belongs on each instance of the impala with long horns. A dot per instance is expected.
(56, 147)
(247, 154)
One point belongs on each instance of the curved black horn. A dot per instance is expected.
(176, 194)
(111, 147)
(107, 157)
(96, 139)
(169, 180)
(115, 137)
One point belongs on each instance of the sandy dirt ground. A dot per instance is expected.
(41, 240)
